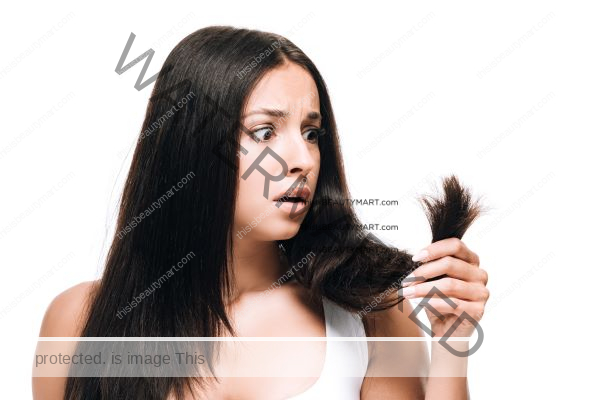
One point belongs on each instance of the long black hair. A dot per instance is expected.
(186, 155)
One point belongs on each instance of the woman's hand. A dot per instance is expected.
(463, 284)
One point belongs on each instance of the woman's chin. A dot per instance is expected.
(283, 230)
(288, 233)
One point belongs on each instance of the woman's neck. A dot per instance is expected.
(256, 266)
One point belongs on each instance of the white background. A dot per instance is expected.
(505, 95)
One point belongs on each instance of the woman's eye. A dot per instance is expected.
(312, 135)
(263, 134)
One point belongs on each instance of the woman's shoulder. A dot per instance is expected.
(66, 313)
(393, 322)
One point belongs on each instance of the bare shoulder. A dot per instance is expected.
(393, 322)
(64, 317)
(66, 313)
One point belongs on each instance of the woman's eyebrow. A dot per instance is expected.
(273, 112)
(313, 115)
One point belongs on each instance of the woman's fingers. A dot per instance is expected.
(460, 291)
(441, 307)
(447, 247)
(447, 265)
(449, 287)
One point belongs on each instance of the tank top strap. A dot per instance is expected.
(341, 322)
(346, 361)
(349, 357)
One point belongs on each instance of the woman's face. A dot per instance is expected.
(293, 139)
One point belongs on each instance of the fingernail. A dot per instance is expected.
(408, 292)
(423, 254)
(409, 278)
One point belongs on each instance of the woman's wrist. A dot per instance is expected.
(449, 359)
(448, 371)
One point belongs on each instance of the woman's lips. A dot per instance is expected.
(291, 207)
(303, 192)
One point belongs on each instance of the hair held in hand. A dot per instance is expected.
(364, 267)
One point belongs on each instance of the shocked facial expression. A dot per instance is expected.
(282, 114)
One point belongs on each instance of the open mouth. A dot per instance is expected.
(299, 196)
(291, 200)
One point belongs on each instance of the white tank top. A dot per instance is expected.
(345, 362)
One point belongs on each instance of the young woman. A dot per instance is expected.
(234, 202)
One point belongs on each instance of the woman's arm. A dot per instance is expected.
(448, 374)
(463, 292)
(428, 381)
(394, 323)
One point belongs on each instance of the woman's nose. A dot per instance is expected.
(298, 155)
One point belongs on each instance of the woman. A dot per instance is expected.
(243, 179)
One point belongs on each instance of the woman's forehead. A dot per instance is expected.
(287, 88)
